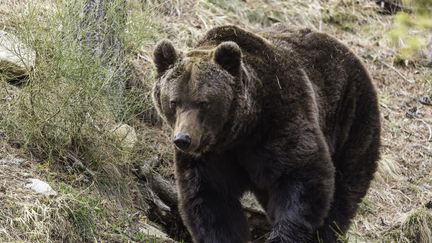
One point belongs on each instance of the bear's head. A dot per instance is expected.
(195, 93)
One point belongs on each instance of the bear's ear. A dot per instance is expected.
(228, 55)
(164, 55)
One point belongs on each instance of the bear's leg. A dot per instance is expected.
(353, 177)
(209, 204)
(299, 183)
(212, 216)
(356, 163)
(297, 205)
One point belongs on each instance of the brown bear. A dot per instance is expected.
(290, 115)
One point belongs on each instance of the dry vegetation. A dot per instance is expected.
(67, 108)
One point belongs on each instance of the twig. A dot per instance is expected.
(79, 164)
(429, 128)
(398, 72)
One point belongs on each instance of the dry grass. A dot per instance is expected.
(76, 214)
(25, 216)
(394, 209)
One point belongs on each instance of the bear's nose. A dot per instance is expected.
(182, 141)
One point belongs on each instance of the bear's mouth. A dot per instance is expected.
(204, 145)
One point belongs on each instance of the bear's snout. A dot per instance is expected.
(182, 141)
(188, 131)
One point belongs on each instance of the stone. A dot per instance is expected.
(126, 135)
(155, 232)
(13, 161)
(40, 187)
(15, 57)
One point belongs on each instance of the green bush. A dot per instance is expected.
(76, 93)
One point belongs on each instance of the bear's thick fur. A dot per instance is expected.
(290, 115)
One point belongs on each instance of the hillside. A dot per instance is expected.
(62, 120)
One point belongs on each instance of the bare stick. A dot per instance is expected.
(398, 72)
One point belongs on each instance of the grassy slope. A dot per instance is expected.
(394, 209)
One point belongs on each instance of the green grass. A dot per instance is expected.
(384, 99)
(82, 210)
(366, 206)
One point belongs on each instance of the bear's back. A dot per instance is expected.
(340, 81)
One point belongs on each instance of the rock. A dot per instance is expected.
(425, 100)
(13, 161)
(414, 112)
(15, 57)
(428, 205)
(155, 232)
(126, 135)
(40, 187)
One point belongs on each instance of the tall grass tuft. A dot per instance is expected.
(417, 227)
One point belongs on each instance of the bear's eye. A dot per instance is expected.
(203, 105)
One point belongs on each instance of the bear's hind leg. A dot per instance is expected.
(296, 207)
(354, 172)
